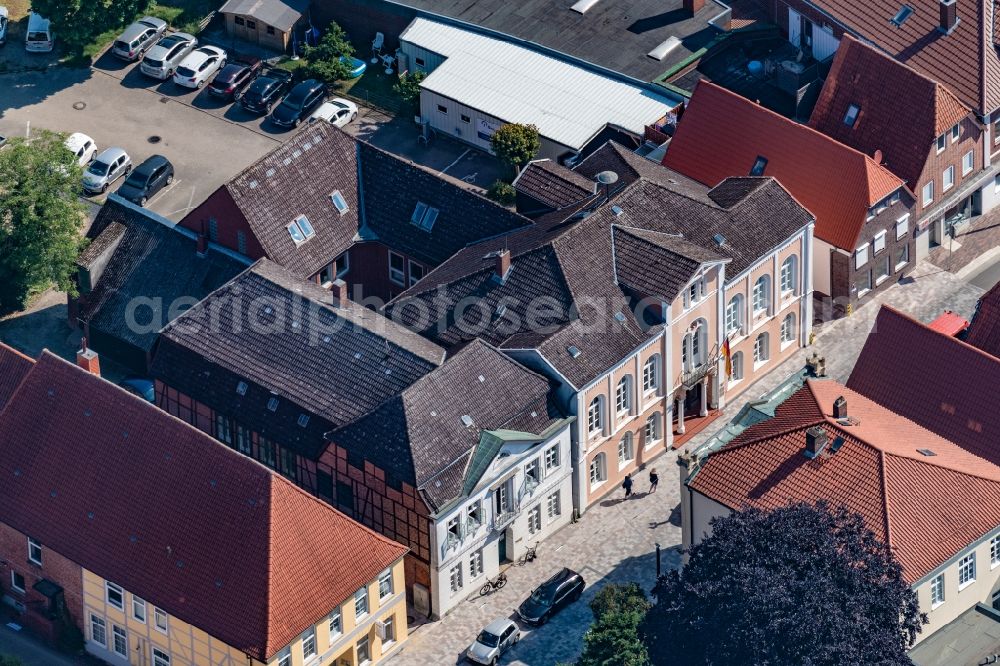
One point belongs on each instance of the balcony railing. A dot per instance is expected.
(502, 520)
(690, 378)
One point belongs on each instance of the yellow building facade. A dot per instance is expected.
(123, 628)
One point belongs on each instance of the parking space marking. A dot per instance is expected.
(163, 191)
(457, 160)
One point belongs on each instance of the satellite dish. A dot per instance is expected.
(607, 178)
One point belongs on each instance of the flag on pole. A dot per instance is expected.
(729, 358)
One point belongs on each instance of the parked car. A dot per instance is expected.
(39, 38)
(140, 386)
(162, 60)
(199, 65)
(4, 21)
(337, 111)
(147, 179)
(266, 91)
(498, 637)
(82, 146)
(551, 596)
(300, 102)
(233, 79)
(107, 167)
(139, 38)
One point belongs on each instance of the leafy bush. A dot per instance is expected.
(503, 193)
(324, 59)
(516, 145)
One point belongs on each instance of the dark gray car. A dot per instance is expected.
(139, 38)
(554, 594)
(147, 179)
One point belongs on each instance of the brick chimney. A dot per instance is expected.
(202, 241)
(502, 265)
(88, 359)
(816, 440)
(949, 15)
(694, 6)
(840, 408)
(339, 290)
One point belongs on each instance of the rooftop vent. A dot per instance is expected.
(582, 6)
(840, 408)
(617, 210)
(719, 239)
(573, 351)
(619, 317)
(816, 440)
(900, 18)
(926, 452)
(252, 184)
(269, 173)
(664, 48)
(466, 420)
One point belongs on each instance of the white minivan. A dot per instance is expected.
(39, 38)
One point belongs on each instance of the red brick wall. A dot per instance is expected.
(970, 138)
(229, 220)
(55, 567)
(369, 263)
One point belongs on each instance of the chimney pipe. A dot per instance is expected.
(693, 6)
(88, 359)
(840, 408)
(502, 265)
(949, 16)
(816, 440)
(202, 241)
(339, 293)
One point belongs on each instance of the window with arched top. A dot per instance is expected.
(762, 294)
(735, 313)
(654, 428)
(595, 415)
(736, 367)
(761, 349)
(789, 275)
(626, 450)
(651, 374)
(788, 328)
(598, 469)
(623, 394)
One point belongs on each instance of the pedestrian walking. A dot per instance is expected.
(654, 479)
(627, 485)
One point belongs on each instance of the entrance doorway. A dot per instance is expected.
(502, 547)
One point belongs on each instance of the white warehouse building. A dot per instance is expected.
(476, 83)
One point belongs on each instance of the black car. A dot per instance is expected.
(295, 108)
(233, 78)
(561, 590)
(147, 179)
(266, 91)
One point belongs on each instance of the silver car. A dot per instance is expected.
(139, 38)
(109, 166)
(162, 60)
(498, 637)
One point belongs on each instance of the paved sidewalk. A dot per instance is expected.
(34, 653)
(616, 539)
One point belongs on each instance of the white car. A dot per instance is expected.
(199, 66)
(337, 112)
(83, 148)
(4, 20)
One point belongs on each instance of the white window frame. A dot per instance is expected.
(32, 547)
(623, 395)
(361, 596)
(761, 295)
(397, 275)
(551, 457)
(159, 613)
(861, 256)
(595, 416)
(966, 570)
(737, 366)
(335, 625)
(651, 374)
(653, 429)
(851, 116)
(938, 596)
(98, 621)
(955, 132)
(968, 162)
(333, 200)
(535, 519)
(941, 143)
(309, 635)
(927, 193)
(789, 273)
(905, 249)
(368, 649)
(790, 331)
(762, 354)
(735, 310)
(140, 615)
(116, 633)
(600, 465)
(995, 552)
(945, 184)
(455, 578)
(13, 584)
(285, 658)
(554, 504)
(108, 588)
(626, 450)
(385, 577)
(160, 657)
(476, 564)
(878, 242)
(902, 226)
(410, 266)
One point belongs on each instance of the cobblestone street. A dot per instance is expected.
(615, 541)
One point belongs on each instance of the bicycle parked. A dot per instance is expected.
(494, 584)
(529, 555)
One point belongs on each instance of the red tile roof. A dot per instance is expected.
(722, 134)
(939, 382)
(901, 113)
(156, 506)
(984, 331)
(949, 323)
(13, 367)
(927, 508)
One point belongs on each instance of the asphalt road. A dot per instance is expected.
(987, 277)
(207, 141)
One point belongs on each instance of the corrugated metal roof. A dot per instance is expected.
(568, 104)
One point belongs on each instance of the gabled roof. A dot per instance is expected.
(284, 339)
(568, 262)
(554, 185)
(14, 367)
(173, 516)
(984, 331)
(933, 379)
(655, 262)
(723, 134)
(900, 111)
(965, 60)
(148, 260)
(926, 508)
(282, 14)
(420, 435)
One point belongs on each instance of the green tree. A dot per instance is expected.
(516, 145)
(613, 639)
(40, 218)
(501, 192)
(803, 584)
(324, 58)
(8, 660)
(408, 88)
(77, 22)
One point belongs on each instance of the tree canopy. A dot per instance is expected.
(805, 584)
(613, 638)
(516, 144)
(324, 59)
(40, 218)
(77, 22)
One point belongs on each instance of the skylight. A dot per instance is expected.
(339, 202)
(303, 420)
(581, 6)
(301, 229)
(272, 404)
(664, 48)
(241, 388)
(758, 166)
(904, 13)
(424, 216)
(851, 116)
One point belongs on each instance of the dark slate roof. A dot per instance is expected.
(653, 262)
(297, 179)
(282, 14)
(568, 260)
(613, 35)
(419, 435)
(285, 339)
(554, 185)
(149, 260)
(392, 188)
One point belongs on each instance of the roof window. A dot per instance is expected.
(303, 420)
(301, 229)
(241, 388)
(272, 404)
(851, 117)
(424, 216)
(339, 202)
(759, 165)
(900, 18)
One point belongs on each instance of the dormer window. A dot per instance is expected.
(339, 202)
(424, 216)
(759, 165)
(301, 230)
(851, 116)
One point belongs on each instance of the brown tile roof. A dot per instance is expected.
(14, 366)
(654, 262)
(901, 113)
(933, 379)
(553, 184)
(168, 513)
(965, 60)
(723, 134)
(984, 330)
(927, 508)
(284, 338)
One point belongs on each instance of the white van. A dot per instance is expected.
(39, 38)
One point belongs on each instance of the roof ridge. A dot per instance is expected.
(961, 343)
(885, 500)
